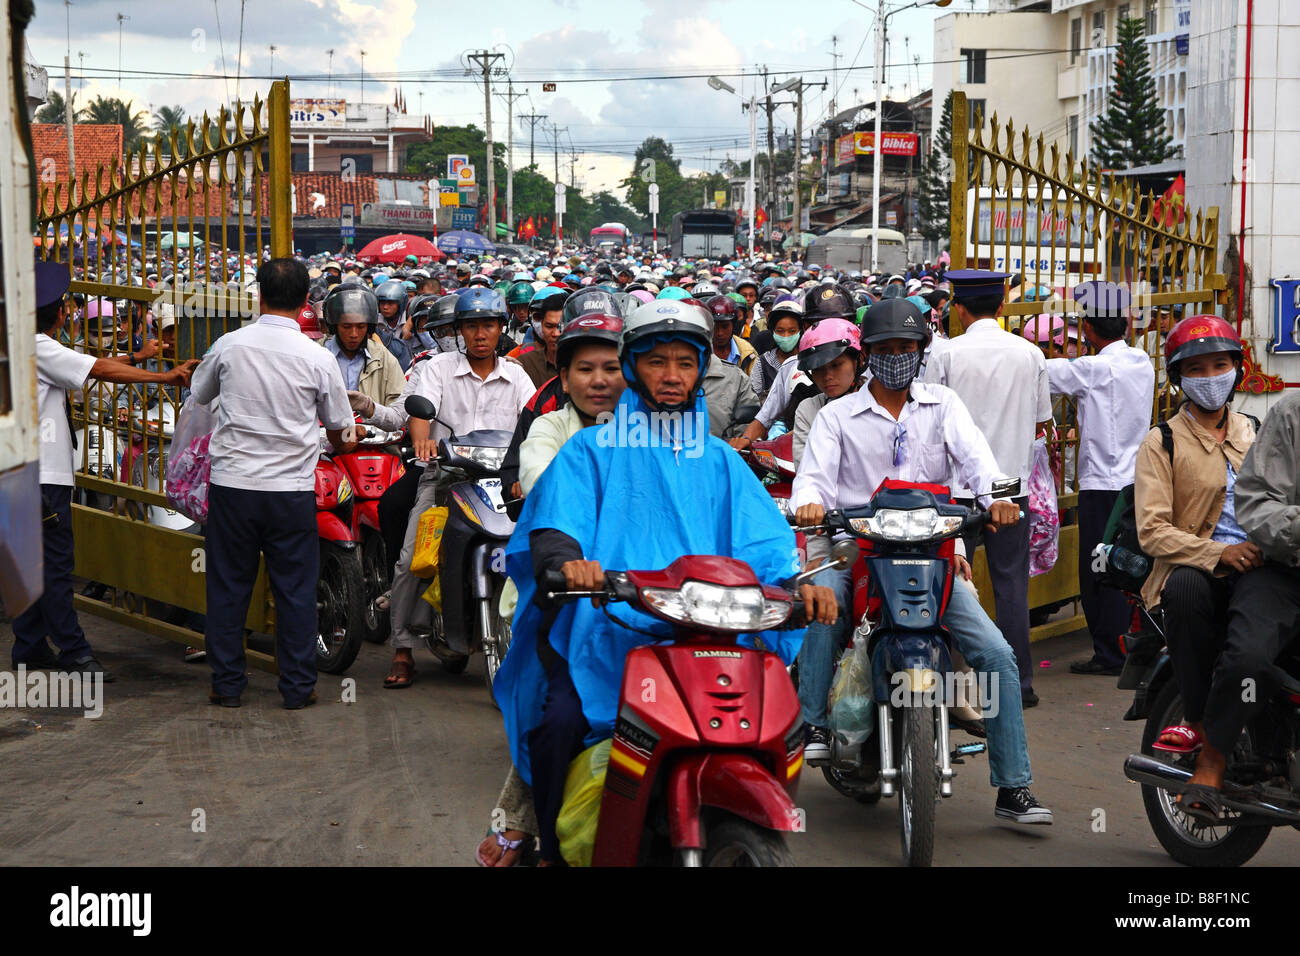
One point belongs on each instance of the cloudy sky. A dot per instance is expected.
(618, 66)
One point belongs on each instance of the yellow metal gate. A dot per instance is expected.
(203, 203)
(1018, 206)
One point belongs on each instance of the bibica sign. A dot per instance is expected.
(397, 214)
(318, 114)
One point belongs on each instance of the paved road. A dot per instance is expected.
(410, 777)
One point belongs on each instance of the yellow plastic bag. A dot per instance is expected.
(433, 594)
(580, 812)
(428, 540)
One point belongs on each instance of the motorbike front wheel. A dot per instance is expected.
(1189, 841)
(496, 641)
(340, 608)
(737, 842)
(918, 782)
(377, 572)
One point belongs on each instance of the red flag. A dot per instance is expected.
(1171, 207)
(528, 230)
(760, 217)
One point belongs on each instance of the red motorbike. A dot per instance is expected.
(708, 745)
(773, 462)
(340, 590)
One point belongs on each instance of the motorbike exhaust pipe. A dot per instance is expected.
(1156, 773)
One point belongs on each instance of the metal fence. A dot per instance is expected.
(197, 208)
(1018, 206)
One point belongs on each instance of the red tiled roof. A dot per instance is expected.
(356, 189)
(93, 143)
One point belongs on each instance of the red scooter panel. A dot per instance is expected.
(737, 783)
(372, 473)
(722, 687)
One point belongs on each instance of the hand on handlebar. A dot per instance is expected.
(1003, 514)
(961, 567)
(810, 514)
(584, 576)
(819, 603)
(740, 442)
(425, 448)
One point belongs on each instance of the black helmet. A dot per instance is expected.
(894, 319)
(444, 310)
(591, 301)
(420, 309)
(350, 300)
(828, 300)
(477, 302)
(391, 291)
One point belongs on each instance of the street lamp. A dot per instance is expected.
(751, 194)
(882, 16)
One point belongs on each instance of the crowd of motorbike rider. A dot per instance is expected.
(544, 345)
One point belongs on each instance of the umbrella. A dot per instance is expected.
(807, 240)
(183, 240)
(459, 241)
(398, 246)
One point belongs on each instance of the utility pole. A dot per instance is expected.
(797, 222)
(533, 120)
(363, 76)
(485, 59)
(771, 167)
(330, 53)
(67, 95)
(555, 143)
(120, 18)
(835, 63)
(510, 98)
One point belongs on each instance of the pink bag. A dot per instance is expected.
(1044, 519)
(189, 466)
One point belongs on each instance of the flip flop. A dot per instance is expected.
(506, 847)
(403, 671)
(1202, 803)
(1191, 740)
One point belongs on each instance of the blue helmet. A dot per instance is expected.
(478, 302)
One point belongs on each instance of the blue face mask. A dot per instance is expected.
(787, 343)
(895, 371)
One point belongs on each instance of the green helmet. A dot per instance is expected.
(520, 293)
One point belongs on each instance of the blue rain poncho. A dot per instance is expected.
(631, 502)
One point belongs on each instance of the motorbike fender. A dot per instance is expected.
(479, 567)
(1160, 672)
(906, 652)
(367, 513)
(330, 528)
(733, 782)
(913, 591)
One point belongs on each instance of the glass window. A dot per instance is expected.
(1098, 36)
(1123, 13)
(1153, 16)
(975, 61)
(1073, 127)
(1076, 38)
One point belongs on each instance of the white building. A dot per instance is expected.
(1048, 63)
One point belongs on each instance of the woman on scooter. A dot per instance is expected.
(654, 466)
(1186, 522)
(831, 353)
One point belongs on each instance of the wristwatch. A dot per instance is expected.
(132, 358)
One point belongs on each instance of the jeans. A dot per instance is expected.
(974, 635)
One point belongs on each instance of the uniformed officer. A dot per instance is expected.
(58, 370)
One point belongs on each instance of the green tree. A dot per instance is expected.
(52, 111)
(111, 111)
(1131, 131)
(934, 185)
(431, 158)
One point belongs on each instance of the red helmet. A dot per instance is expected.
(723, 308)
(308, 323)
(596, 327)
(1200, 335)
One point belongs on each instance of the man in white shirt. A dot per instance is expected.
(897, 427)
(58, 371)
(1002, 380)
(470, 390)
(277, 387)
(1114, 391)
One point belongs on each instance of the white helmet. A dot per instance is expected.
(665, 318)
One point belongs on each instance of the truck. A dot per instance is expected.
(849, 248)
(703, 234)
(611, 235)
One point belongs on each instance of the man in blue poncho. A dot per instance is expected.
(635, 492)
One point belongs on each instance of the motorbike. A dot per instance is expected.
(1261, 784)
(471, 573)
(372, 468)
(903, 556)
(705, 774)
(340, 586)
(773, 462)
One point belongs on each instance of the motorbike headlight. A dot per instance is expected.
(487, 456)
(919, 524)
(710, 605)
(765, 458)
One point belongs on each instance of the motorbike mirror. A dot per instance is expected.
(1002, 487)
(417, 406)
(843, 554)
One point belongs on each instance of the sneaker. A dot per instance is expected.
(88, 665)
(816, 745)
(193, 654)
(1018, 805)
(1095, 666)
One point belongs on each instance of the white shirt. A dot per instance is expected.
(58, 369)
(850, 448)
(277, 388)
(461, 399)
(1113, 391)
(778, 396)
(1002, 380)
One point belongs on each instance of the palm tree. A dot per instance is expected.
(53, 110)
(169, 118)
(113, 112)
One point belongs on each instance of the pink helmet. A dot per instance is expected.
(642, 296)
(1042, 328)
(99, 307)
(827, 341)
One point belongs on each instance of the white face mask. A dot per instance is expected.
(1211, 392)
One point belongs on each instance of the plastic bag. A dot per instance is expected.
(583, 787)
(852, 710)
(1044, 519)
(428, 541)
(189, 464)
(433, 594)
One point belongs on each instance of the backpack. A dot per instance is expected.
(1119, 561)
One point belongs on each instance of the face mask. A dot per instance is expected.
(1211, 392)
(787, 343)
(895, 371)
(448, 343)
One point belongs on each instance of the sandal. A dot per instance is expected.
(973, 727)
(507, 846)
(1191, 740)
(401, 674)
(1202, 803)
